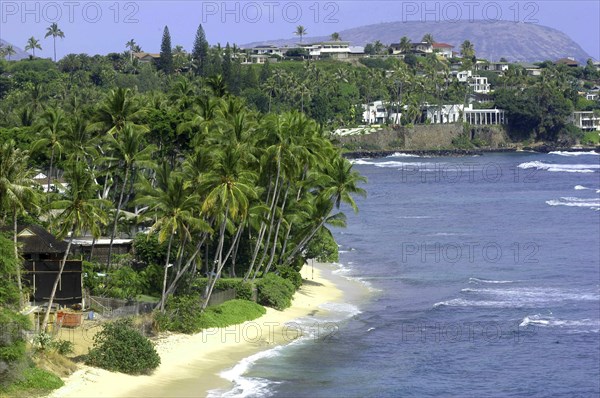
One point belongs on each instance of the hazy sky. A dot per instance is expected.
(99, 27)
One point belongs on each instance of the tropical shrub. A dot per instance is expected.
(274, 291)
(291, 274)
(182, 314)
(120, 347)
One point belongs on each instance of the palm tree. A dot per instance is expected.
(131, 45)
(335, 36)
(10, 51)
(80, 212)
(51, 129)
(341, 182)
(229, 186)
(172, 204)
(378, 46)
(54, 31)
(405, 45)
(131, 150)
(32, 44)
(300, 31)
(428, 38)
(118, 108)
(17, 192)
(467, 49)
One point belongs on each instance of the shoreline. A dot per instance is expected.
(191, 364)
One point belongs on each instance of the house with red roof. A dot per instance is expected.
(444, 49)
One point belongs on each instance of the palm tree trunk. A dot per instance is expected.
(303, 243)
(212, 279)
(114, 228)
(18, 262)
(163, 297)
(274, 247)
(57, 280)
(191, 260)
(50, 170)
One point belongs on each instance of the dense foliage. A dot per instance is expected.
(184, 315)
(275, 291)
(122, 348)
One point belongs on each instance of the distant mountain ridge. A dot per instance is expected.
(515, 41)
(20, 54)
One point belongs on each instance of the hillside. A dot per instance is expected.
(20, 53)
(517, 42)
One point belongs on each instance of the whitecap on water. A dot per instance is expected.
(402, 155)
(592, 203)
(567, 153)
(478, 281)
(553, 167)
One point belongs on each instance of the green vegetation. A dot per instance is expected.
(184, 314)
(120, 347)
(275, 291)
(33, 382)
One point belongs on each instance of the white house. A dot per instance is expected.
(586, 120)
(334, 49)
(443, 114)
(463, 75)
(268, 50)
(442, 48)
(480, 117)
(479, 84)
(377, 113)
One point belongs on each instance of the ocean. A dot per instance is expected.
(484, 280)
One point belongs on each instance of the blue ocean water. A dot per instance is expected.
(486, 282)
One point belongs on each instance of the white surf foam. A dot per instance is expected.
(478, 281)
(581, 325)
(516, 297)
(592, 203)
(566, 168)
(402, 155)
(567, 153)
(247, 386)
(346, 309)
(580, 188)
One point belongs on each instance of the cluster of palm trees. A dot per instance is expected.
(33, 43)
(242, 193)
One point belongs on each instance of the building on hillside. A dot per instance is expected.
(442, 48)
(442, 114)
(42, 255)
(569, 61)
(379, 113)
(498, 67)
(145, 57)
(422, 48)
(260, 59)
(267, 50)
(478, 117)
(586, 120)
(97, 249)
(333, 49)
(479, 84)
(57, 184)
(462, 75)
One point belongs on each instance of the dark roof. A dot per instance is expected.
(35, 239)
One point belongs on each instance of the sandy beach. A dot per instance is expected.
(199, 358)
